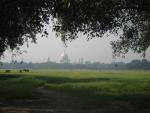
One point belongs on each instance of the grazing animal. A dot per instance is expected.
(26, 70)
(7, 71)
(20, 71)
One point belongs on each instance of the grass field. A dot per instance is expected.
(45, 91)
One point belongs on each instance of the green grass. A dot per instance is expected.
(94, 89)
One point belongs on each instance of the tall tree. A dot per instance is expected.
(21, 20)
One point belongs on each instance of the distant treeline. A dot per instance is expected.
(133, 65)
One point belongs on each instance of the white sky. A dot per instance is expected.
(97, 49)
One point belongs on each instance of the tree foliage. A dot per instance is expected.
(21, 20)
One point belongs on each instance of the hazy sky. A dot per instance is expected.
(97, 49)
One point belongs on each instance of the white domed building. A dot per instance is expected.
(64, 58)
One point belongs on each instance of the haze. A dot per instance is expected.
(94, 50)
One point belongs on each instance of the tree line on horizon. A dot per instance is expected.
(133, 65)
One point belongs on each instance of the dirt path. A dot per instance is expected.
(54, 101)
(50, 101)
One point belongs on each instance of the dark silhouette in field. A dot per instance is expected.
(20, 71)
(24, 70)
(7, 71)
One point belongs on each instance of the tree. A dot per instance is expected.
(21, 20)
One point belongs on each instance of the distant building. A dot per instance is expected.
(64, 58)
(81, 61)
(48, 60)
